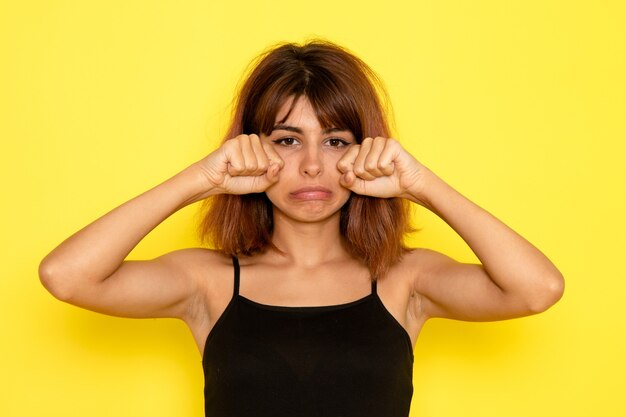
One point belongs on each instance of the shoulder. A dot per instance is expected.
(191, 258)
(417, 262)
(430, 273)
(199, 264)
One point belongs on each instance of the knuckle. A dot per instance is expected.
(371, 166)
(263, 166)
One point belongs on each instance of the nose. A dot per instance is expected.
(311, 163)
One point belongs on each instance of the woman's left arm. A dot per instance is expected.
(514, 278)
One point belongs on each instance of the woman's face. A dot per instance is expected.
(308, 188)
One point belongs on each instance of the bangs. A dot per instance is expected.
(336, 109)
(343, 91)
(334, 104)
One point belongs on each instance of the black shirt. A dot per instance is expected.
(347, 360)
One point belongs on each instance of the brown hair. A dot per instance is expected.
(345, 93)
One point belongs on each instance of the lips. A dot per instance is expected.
(311, 193)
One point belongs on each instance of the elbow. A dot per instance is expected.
(51, 277)
(550, 292)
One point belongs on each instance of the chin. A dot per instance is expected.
(308, 212)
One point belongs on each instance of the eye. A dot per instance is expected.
(338, 142)
(287, 141)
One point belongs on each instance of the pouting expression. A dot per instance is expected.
(308, 189)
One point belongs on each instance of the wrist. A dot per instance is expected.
(192, 185)
(423, 191)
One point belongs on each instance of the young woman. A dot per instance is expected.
(309, 305)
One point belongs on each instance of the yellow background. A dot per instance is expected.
(521, 105)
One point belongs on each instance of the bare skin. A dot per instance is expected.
(308, 173)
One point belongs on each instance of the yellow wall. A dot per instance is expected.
(519, 104)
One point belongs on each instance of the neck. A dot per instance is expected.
(308, 244)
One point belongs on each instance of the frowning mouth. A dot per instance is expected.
(311, 193)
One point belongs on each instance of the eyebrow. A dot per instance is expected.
(298, 130)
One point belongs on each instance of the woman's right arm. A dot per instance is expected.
(88, 269)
